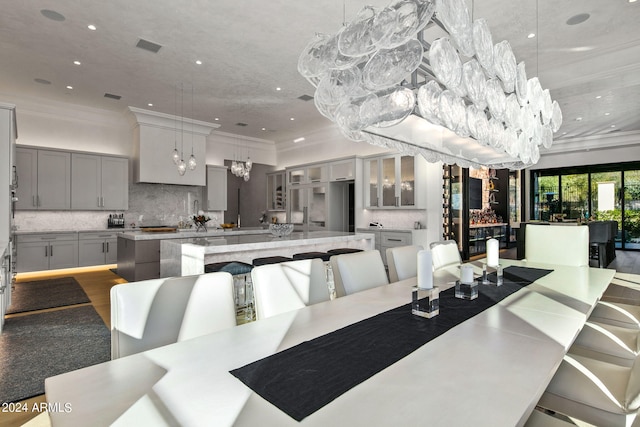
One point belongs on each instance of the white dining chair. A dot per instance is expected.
(403, 262)
(556, 244)
(152, 313)
(286, 286)
(357, 272)
(445, 253)
(593, 391)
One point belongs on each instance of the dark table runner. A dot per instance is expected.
(304, 378)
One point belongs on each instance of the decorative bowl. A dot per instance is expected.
(281, 230)
(228, 225)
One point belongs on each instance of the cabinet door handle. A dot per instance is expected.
(46, 251)
(102, 247)
(98, 201)
(107, 246)
(395, 240)
(33, 200)
(397, 201)
(50, 250)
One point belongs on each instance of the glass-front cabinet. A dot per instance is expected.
(390, 182)
(308, 207)
(276, 191)
(308, 174)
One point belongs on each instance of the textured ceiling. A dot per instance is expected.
(249, 48)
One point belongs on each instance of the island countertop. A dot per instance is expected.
(181, 257)
(192, 233)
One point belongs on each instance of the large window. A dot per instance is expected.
(600, 192)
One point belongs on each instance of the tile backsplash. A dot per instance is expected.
(149, 204)
(404, 218)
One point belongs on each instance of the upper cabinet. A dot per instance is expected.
(44, 179)
(392, 182)
(215, 194)
(307, 174)
(99, 182)
(276, 191)
(342, 170)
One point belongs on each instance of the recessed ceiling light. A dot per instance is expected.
(216, 119)
(632, 1)
(599, 96)
(613, 126)
(150, 104)
(278, 88)
(298, 140)
(53, 15)
(92, 27)
(77, 62)
(578, 19)
(264, 128)
(531, 35)
(564, 133)
(198, 62)
(578, 119)
(69, 87)
(292, 118)
(607, 113)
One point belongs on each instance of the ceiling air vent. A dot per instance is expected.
(112, 96)
(241, 124)
(305, 97)
(147, 45)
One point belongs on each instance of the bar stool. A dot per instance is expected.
(242, 285)
(270, 260)
(342, 251)
(324, 256)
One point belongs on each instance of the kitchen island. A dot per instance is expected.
(139, 251)
(183, 257)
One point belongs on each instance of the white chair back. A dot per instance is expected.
(556, 244)
(445, 253)
(358, 271)
(403, 262)
(157, 312)
(286, 286)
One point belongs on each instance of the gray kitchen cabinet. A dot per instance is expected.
(99, 182)
(385, 239)
(47, 251)
(44, 179)
(97, 248)
(215, 193)
(138, 259)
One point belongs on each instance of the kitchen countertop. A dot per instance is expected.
(402, 230)
(97, 230)
(191, 233)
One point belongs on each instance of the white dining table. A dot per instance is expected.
(489, 370)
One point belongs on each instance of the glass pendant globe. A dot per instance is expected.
(191, 163)
(249, 164)
(175, 156)
(182, 167)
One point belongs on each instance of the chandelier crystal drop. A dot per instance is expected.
(475, 105)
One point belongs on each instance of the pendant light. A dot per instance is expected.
(191, 163)
(175, 156)
(182, 166)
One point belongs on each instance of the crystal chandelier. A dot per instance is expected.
(176, 156)
(242, 169)
(457, 99)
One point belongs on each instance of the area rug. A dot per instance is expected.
(41, 294)
(40, 345)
